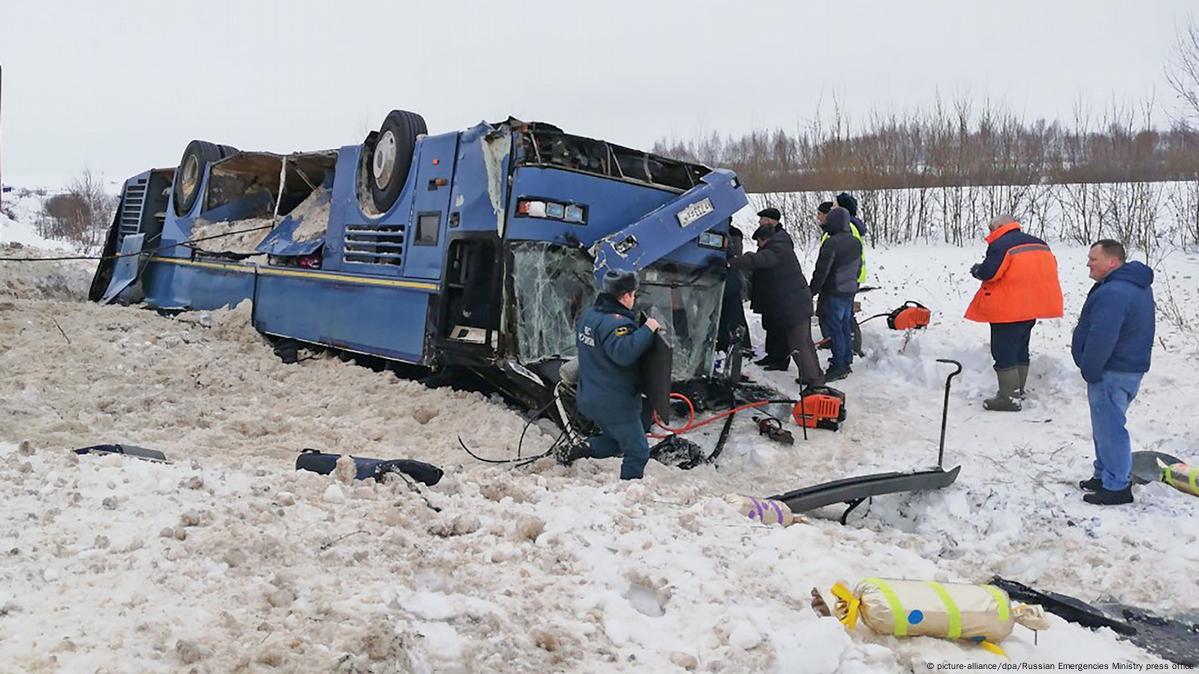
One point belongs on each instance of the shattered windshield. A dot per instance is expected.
(687, 304)
(552, 285)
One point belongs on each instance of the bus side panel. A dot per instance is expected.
(195, 285)
(386, 321)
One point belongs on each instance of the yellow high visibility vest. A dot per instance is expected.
(853, 229)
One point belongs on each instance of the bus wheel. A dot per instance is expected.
(391, 156)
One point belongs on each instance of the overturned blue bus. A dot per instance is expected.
(476, 248)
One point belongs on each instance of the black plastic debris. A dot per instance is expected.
(1173, 639)
(127, 450)
(324, 463)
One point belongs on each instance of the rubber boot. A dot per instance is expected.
(1005, 400)
(1020, 392)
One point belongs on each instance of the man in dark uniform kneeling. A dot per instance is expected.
(610, 342)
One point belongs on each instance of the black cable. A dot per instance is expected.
(63, 258)
(520, 443)
(721, 439)
(515, 463)
(873, 317)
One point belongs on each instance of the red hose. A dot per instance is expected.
(692, 424)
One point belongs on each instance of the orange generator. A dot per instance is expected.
(820, 407)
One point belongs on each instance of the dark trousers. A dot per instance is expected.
(799, 341)
(1009, 343)
(732, 316)
(620, 435)
(776, 340)
(839, 314)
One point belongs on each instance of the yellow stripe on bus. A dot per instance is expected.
(273, 271)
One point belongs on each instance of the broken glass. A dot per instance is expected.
(687, 304)
(546, 145)
(552, 285)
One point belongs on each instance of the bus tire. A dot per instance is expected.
(391, 156)
(190, 174)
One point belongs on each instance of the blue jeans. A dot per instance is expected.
(838, 312)
(621, 435)
(1109, 400)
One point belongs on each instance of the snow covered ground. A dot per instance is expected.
(24, 205)
(228, 560)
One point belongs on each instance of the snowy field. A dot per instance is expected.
(227, 560)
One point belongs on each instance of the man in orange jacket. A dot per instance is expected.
(1020, 285)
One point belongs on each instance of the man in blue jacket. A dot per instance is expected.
(1111, 346)
(610, 342)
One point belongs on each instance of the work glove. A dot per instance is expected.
(974, 270)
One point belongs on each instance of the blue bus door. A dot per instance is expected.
(434, 175)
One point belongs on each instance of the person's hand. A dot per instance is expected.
(652, 324)
(974, 270)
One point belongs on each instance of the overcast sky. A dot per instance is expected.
(120, 86)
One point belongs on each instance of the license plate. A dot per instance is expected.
(694, 212)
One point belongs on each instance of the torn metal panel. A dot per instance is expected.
(125, 270)
(703, 207)
(546, 145)
(244, 175)
(250, 190)
(304, 174)
(288, 179)
(496, 148)
(302, 231)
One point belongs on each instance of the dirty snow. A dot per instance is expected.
(231, 236)
(313, 214)
(64, 280)
(229, 560)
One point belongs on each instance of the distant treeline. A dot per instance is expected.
(951, 145)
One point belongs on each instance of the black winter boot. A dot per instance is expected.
(1092, 484)
(568, 452)
(1104, 497)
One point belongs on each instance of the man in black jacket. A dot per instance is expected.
(783, 296)
(835, 279)
(775, 343)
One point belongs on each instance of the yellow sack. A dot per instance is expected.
(1183, 477)
(910, 608)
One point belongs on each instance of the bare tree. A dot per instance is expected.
(82, 214)
(1182, 72)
